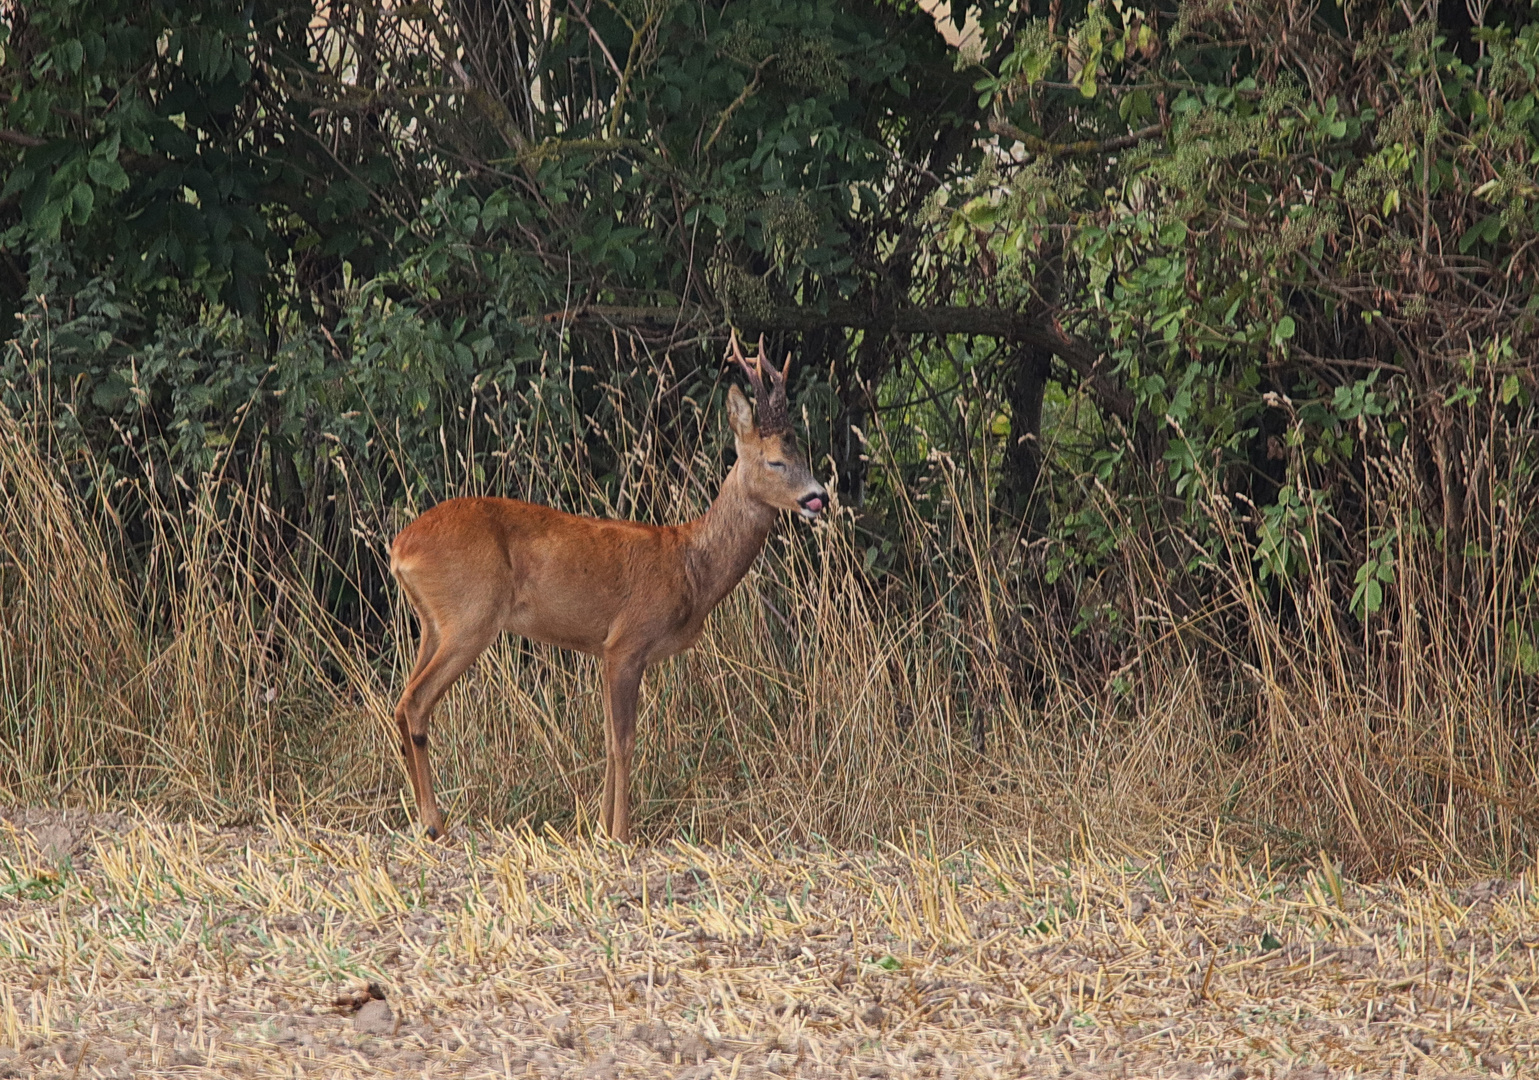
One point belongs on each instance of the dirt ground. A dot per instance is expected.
(135, 947)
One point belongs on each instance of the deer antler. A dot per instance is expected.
(774, 415)
(752, 370)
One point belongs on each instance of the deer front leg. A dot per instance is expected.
(622, 684)
(607, 805)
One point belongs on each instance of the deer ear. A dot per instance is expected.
(739, 414)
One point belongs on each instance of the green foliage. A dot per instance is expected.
(1293, 251)
(1273, 276)
(268, 224)
(1374, 576)
(31, 885)
(134, 130)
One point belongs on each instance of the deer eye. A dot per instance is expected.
(776, 464)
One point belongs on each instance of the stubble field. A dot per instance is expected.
(136, 947)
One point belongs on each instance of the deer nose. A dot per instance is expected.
(814, 502)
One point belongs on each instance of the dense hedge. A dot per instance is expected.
(1260, 275)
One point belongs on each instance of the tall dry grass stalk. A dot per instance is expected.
(70, 646)
(212, 680)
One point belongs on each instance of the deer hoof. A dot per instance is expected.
(432, 832)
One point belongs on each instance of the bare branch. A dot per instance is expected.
(1046, 334)
(1083, 148)
(737, 103)
(19, 138)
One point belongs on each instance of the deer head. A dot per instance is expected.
(774, 467)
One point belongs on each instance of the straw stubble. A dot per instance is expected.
(157, 949)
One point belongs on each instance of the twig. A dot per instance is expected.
(726, 114)
(1082, 148)
(20, 138)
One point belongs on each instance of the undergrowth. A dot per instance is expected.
(199, 669)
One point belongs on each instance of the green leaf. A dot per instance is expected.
(68, 55)
(35, 202)
(18, 180)
(110, 393)
(83, 198)
(108, 173)
(1510, 389)
(49, 218)
(982, 213)
(95, 49)
(1134, 107)
(1464, 395)
(1487, 229)
(1373, 595)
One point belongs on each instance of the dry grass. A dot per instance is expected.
(136, 947)
(200, 672)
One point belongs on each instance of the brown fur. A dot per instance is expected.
(630, 593)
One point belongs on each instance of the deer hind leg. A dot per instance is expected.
(622, 685)
(455, 648)
(426, 648)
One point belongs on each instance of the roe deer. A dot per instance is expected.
(627, 592)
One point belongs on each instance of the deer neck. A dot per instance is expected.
(723, 542)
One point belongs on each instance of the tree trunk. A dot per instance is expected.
(854, 377)
(1016, 495)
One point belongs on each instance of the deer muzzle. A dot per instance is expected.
(813, 504)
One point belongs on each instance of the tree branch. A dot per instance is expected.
(1084, 147)
(748, 92)
(19, 138)
(1046, 334)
